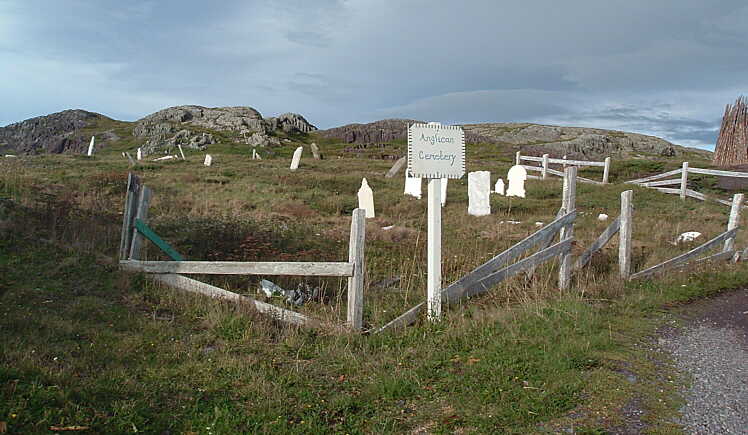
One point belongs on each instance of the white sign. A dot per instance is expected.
(436, 151)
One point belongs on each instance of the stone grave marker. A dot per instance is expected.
(499, 188)
(516, 176)
(139, 154)
(479, 190)
(181, 152)
(91, 147)
(296, 158)
(412, 186)
(315, 151)
(366, 198)
(396, 168)
(208, 160)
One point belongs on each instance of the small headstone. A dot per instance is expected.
(444, 191)
(139, 154)
(499, 188)
(181, 152)
(165, 158)
(366, 198)
(516, 176)
(412, 186)
(688, 236)
(602, 217)
(315, 151)
(396, 168)
(296, 158)
(91, 147)
(538, 224)
(208, 160)
(479, 189)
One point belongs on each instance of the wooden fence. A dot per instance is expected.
(655, 182)
(497, 269)
(135, 230)
(545, 161)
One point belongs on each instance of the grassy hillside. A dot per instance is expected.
(85, 344)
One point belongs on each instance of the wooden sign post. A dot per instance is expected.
(435, 151)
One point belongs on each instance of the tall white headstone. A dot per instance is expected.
(208, 160)
(479, 191)
(412, 186)
(296, 158)
(139, 154)
(499, 186)
(444, 191)
(181, 152)
(91, 147)
(516, 176)
(366, 198)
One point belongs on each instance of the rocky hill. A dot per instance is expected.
(56, 133)
(197, 127)
(578, 142)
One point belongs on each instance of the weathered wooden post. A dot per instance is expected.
(181, 152)
(606, 170)
(356, 282)
(144, 200)
(624, 235)
(517, 158)
(569, 204)
(545, 166)
(684, 181)
(734, 220)
(131, 200)
(434, 249)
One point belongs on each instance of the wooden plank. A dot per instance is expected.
(694, 194)
(684, 181)
(151, 235)
(567, 232)
(532, 168)
(396, 167)
(356, 259)
(598, 244)
(144, 200)
(453, 294)
(576, 162)
(240, 268)
(661, 183)
(722, 256)
(686, 256)
(534, 177)
(667, 189)
(718, 173)
(133, 188)
(587, 180)
(624, 234)
(733, 220)
(187, 284)
(606, 170)
(532, 261)
(655, 177)
(549, 239)
(531, 159)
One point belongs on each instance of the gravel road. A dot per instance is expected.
(712, 348)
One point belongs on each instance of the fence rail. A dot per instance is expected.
(545, 160)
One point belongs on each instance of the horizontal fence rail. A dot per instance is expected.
(240, 268)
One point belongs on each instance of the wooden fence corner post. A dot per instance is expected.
(356, 282)
(143, 201)
(517, 158)
(684, 181)
(545, 166)
(128, 215)
(624, 234)
(569, 205)
(606, 170)
(734, 220)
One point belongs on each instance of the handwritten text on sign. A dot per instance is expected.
(436, 151)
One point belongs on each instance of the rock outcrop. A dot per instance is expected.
(56, 133)
(386, 130)
(186, 125)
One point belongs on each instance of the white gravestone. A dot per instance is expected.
(181, 152)
(296, 158)
(139, 154)
(366, 198)
(499, 188)
(91, 147)
(516, 176)
(479, 190)
(444, 191)
(208, 160)
(412, 186)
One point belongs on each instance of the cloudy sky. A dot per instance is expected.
(665, 68)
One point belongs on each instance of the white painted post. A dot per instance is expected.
(545, 166)
(734, 221)
(606, 171)
(91, 146)
(181, 152)
(624, 234)
(517, 158)
(569, 204)
(356, 282)
(684, 181)
(564, 162)
(434, 250)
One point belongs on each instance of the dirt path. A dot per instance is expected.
(711, 348)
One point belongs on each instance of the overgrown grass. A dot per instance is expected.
(83, 343)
